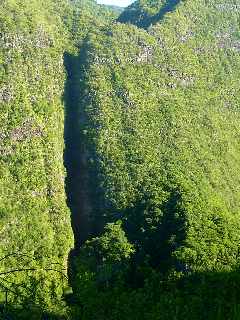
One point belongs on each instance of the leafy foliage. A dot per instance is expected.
(153, 100)
(168, 134)
(35, 223)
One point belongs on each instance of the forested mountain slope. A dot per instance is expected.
(143, 113)
(162, 105)
(35, 222)
(36, 234)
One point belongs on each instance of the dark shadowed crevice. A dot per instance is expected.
(75, 154)
(134, 14)
(82, 182)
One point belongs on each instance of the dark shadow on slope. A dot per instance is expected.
(26, 312)
(75, 153)
(170, 234)
(169, 6)
(204, 295)
(135, 15)
(82, 180)
(157, 232)
(199, 296)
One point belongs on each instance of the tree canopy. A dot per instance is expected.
(119, 160)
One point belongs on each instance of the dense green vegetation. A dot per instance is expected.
(36, 234)
(35, 223)
(162, 142)
(163, 124)
(151, 154)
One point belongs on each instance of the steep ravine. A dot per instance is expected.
(80, 185)
(75, 154)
